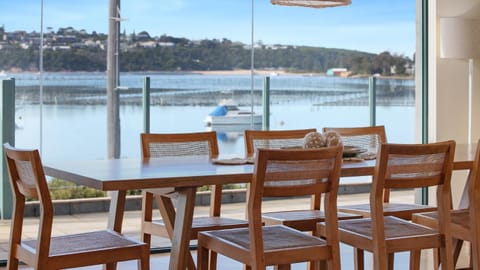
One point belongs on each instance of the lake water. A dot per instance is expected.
(79, 131)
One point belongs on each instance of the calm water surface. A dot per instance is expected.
(79, 131)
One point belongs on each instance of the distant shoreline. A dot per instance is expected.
(256, 72)
(215, 73)
(200, 72)
(279, 73)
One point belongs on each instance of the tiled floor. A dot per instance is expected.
(85, 222)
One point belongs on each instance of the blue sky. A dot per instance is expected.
(366, 25)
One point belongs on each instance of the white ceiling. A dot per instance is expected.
(463, 8)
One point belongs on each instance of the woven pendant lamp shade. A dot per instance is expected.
(312, 3)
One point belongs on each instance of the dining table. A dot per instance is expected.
(184, 174)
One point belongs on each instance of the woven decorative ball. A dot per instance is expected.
(314, 140)
(332, 138)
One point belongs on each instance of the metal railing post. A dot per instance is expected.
(266, 104)
(146, 105)
(7, 118)
(423, 194)
(372, 100)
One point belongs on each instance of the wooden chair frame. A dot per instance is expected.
(259, 246)
(300, 219)
(214, 221)
(27, 179)
(401, 210)
(284, 135)
(384, 235)
(274, 135)
(353, 132)
(464, 227)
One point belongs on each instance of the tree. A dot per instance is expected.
(207, 54)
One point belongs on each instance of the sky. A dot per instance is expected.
(366, 25)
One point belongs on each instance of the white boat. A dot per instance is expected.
(230, 114)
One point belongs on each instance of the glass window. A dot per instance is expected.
(197, 55)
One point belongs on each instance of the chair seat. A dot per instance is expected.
(82, 242)
(201, 224)
(277, 240)
(406, 235)
(401, 210)
(460, 222)
(302, 220)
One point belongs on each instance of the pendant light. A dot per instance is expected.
(312, 3)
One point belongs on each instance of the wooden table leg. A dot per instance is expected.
(167, 210)
(117, 209)
(181, 232)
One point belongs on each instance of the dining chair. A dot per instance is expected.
(274, 139)
(300, 219)
(47, 251)
(370, 138)
(292, 172)
(465, 219)
(181, 144)
(404, 166)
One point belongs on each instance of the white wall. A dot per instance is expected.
(451, 79)
(448, 85)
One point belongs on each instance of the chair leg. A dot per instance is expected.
(202, 258)
(16, 227)
(147, 211)
(111, 266)
(12, 264)
(415, 259)
(391, 261)
(359, 260)
(446, 258)
(436, 258)
(322, 265)
(314, 265)
(471, 258)
(144, 262)
(382, 260)
(212, 263)
(457, 247)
